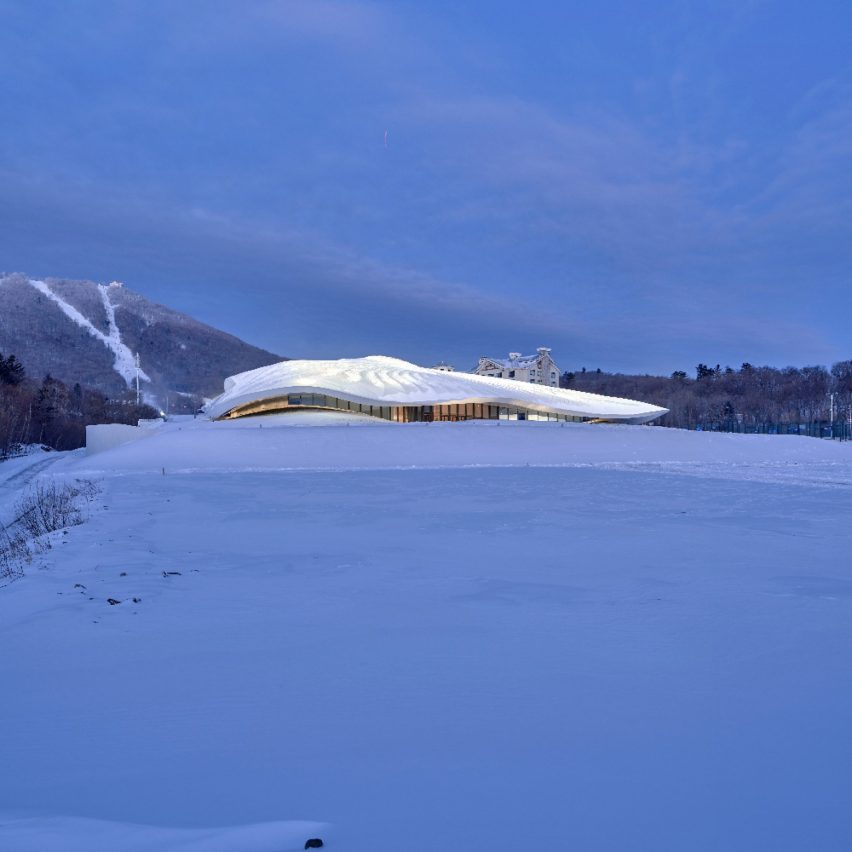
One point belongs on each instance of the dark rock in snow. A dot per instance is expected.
(314, 843)
(112, 601)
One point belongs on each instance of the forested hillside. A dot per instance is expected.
(82, 331)
(715, 396)
(50, 413)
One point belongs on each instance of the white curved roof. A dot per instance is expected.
(379, 380)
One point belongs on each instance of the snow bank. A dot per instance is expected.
(268, 443)
(106, 436)
(68, 834)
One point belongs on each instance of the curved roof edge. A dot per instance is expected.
(380, 380)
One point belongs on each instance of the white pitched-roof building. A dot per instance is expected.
(538, 369)
(395, 390)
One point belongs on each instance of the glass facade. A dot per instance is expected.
(397, 413)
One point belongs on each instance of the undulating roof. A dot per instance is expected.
(379, 380)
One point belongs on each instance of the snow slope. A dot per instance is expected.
(125, 363)
(426, 655)
(270, 443)
(59, 834)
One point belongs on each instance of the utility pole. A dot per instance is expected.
(831, 412)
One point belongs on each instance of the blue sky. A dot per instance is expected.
(640, 186)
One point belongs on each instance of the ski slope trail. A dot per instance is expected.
(125, 362)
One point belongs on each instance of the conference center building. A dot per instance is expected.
(390, 389)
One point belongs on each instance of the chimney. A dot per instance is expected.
(513, 356)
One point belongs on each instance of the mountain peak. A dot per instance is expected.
(82, 331)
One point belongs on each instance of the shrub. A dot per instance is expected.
(47, 507)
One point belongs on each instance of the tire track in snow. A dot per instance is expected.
(27, 474)
(13, 486)
(125, 363)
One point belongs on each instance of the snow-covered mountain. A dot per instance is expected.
(80, 331)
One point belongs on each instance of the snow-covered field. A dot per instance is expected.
(428, 637)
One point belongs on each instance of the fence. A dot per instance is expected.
(816, 429)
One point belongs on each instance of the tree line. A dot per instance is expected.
(50, 413)
(717, 396)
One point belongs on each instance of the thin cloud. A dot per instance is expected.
(298, 256)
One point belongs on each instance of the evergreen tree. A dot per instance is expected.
(11, 370)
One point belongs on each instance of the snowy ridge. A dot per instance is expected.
(280, 443)
(125, 363)
(61, 834)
